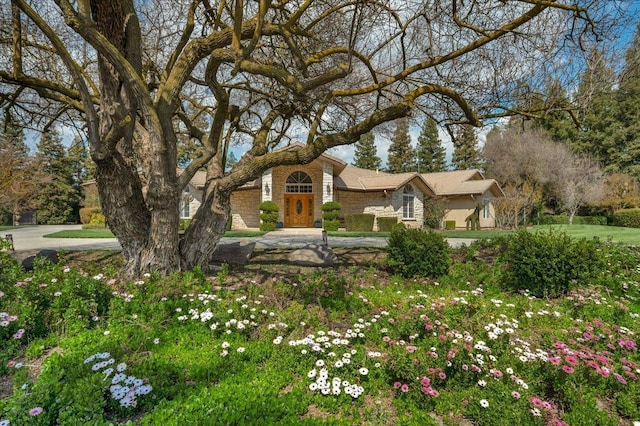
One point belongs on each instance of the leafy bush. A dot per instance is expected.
(385, 224)
(450, 225)
(269, 215)
(563, 219)
(548, 264)
(359, 222)
(627, 217)
(434, 211)
(413, 252)
(331, 215)
(91, 215)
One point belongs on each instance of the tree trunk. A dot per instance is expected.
(207, 227)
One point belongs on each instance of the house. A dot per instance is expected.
(301, 190)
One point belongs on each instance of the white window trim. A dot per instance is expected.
(408, 206)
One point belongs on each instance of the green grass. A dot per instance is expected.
(105, 233)
(81, 233)
(604, 233)
(8, 228)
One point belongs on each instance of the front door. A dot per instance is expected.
(298, 210)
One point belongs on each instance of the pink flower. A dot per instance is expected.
(404, 388)
(570, 359)
(560, 345)
(442, 375)
(568, 369)
(554, 360)
(397, 385)
(558, 422)
(386, 338)
(620, 379)
(515, 394)
(411, 349)
(465, 367)
(35, 411)
(537, 402)
(426, 382)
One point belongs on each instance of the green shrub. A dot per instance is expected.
(331, 225)
(385, 224)
(548, 264)
(414, 252)
(563, 219)
(627, 217)
(450, 225)
(359, 222)
(331, 215)
(269, 215)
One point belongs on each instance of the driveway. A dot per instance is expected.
(31, 238)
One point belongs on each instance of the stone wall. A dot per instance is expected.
(244, 209)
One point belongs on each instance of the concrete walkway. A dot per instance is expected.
(31, 238)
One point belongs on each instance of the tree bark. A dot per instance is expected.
(207, 227)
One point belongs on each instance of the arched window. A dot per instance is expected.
(299, 182)
(408, 202)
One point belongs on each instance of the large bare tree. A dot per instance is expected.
(141, 76)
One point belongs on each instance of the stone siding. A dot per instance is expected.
(244, 209)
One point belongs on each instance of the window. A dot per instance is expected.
(408, 201)
(485, 209)
(299, 182)
(184, 212)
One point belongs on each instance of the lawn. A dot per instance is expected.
(273, 343)
(106, 233)
(604, 233)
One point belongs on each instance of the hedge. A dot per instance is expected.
(331, 215)
(627, 217)
(269, 215)
(359, 222)
(563, 219)
(450, 225)
(385, 224)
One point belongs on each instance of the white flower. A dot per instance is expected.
(484, 403)
(319, 363)
(240, 350)
(225, 345)
(121, 367)
(312, 373)
(364, 371)
(482, 383)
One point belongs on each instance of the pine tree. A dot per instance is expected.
(626, 132)
(556, 120)
(57, 198)
(366, 153)
(430, 154)
(401, 156)
(231, 160)
(17, 172)
(465, 151)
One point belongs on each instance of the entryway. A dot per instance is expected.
(298, 210)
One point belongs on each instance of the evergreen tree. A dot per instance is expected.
(626, 132)
(231, 160)
(57, 197)
(430, 154)
(556, 119)
(401, 156)
(366, 153)
(465, 151)
(17, 172)
(597, 106)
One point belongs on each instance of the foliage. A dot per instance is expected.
(620, 192)
(564, 220)
(435, 210)
(359, 222)
(269, 215)
(331, 215)
(450, 225)
(58, 195)
(401, 157)
(414, 252)
(430, 153)
(549, 264)
(366, 154)
(304, 346)
(385, 224)
(465, 149)
(627, 217)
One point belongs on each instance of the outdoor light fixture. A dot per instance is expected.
(328, 189)
(266, 188)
